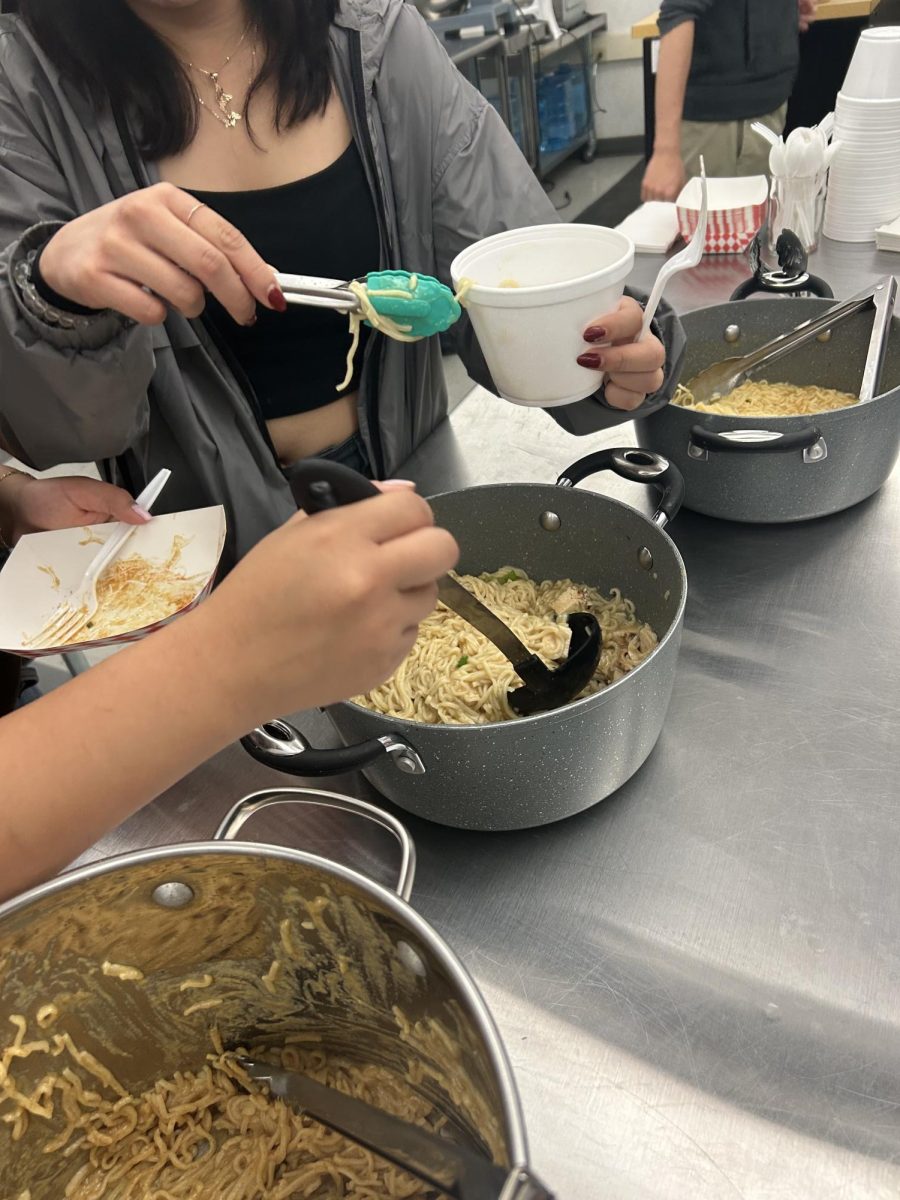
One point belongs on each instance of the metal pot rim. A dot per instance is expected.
(574, 708)
(512, 1108)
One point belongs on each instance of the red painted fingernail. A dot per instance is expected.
(595, 334)
(275, 297)
(590, 359)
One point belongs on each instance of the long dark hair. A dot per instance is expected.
(104, 48)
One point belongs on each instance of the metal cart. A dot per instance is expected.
(515, 71)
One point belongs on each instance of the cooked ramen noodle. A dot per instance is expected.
(464, 287)
(455, 676)
(384, 324)
(134, 592)
(380, 321)
(120, 971)
(756, 398)
(204, 1133)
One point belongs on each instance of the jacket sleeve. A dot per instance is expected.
(673, 13)
(67, 395)
(481, 185)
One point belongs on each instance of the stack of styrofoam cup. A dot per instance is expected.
(864, 182)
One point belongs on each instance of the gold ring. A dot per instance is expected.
(193, 211)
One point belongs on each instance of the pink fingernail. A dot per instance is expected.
(594, 334)
(141, 512)
(591, 359)
(397, 483)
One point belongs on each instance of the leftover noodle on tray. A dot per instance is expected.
(135, 592)
(454, 676)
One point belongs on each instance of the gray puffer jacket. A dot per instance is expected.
(444, 172)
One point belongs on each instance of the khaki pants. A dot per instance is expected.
(729, 148)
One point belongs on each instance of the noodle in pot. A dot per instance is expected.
(455, 676)
(756, 398)
(206, 1133)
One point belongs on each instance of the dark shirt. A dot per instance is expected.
(324, 225)
(746, 54)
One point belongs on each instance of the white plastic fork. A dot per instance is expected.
(77, 608)
(686, 258)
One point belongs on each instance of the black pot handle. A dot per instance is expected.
(637, 466)
(808, 439)
(280, 746)
(807, 283)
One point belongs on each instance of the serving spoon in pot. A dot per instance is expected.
(321, 485)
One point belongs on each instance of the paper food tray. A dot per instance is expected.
(44, 567)
(653, 227)
(736, 210)
(887, 237)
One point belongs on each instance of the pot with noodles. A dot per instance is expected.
(795, 444)
(440, 737)
(131, 987)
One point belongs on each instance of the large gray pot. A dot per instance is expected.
(783, 468)
(535, 770)
(219, 907)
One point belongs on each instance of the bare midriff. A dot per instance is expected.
(303, 435)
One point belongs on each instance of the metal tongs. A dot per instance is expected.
(314, 292)
(723, 377)
(454, 1170)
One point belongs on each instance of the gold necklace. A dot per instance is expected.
(222, 111)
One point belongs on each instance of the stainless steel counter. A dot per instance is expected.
(698, 981)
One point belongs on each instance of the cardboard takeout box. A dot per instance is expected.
(44, 567)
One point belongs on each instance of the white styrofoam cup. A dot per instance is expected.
(534, 292)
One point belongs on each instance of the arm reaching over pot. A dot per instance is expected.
(318, 611)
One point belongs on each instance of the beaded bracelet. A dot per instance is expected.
(36, 304)
(4, 545)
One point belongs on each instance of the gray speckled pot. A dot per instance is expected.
(543, 768)
(756, 482)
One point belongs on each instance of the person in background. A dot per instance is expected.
(722, 65)
(318, 611)
(157, 157)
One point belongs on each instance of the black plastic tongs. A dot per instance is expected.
(321, 484)
(457, 1172)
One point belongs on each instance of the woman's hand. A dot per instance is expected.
(325, 607)
(322, 609)
(634, 370)
(160, 241)
(29, 505)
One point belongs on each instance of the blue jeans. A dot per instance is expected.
(351, 453)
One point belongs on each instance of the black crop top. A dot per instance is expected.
(323, 225)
